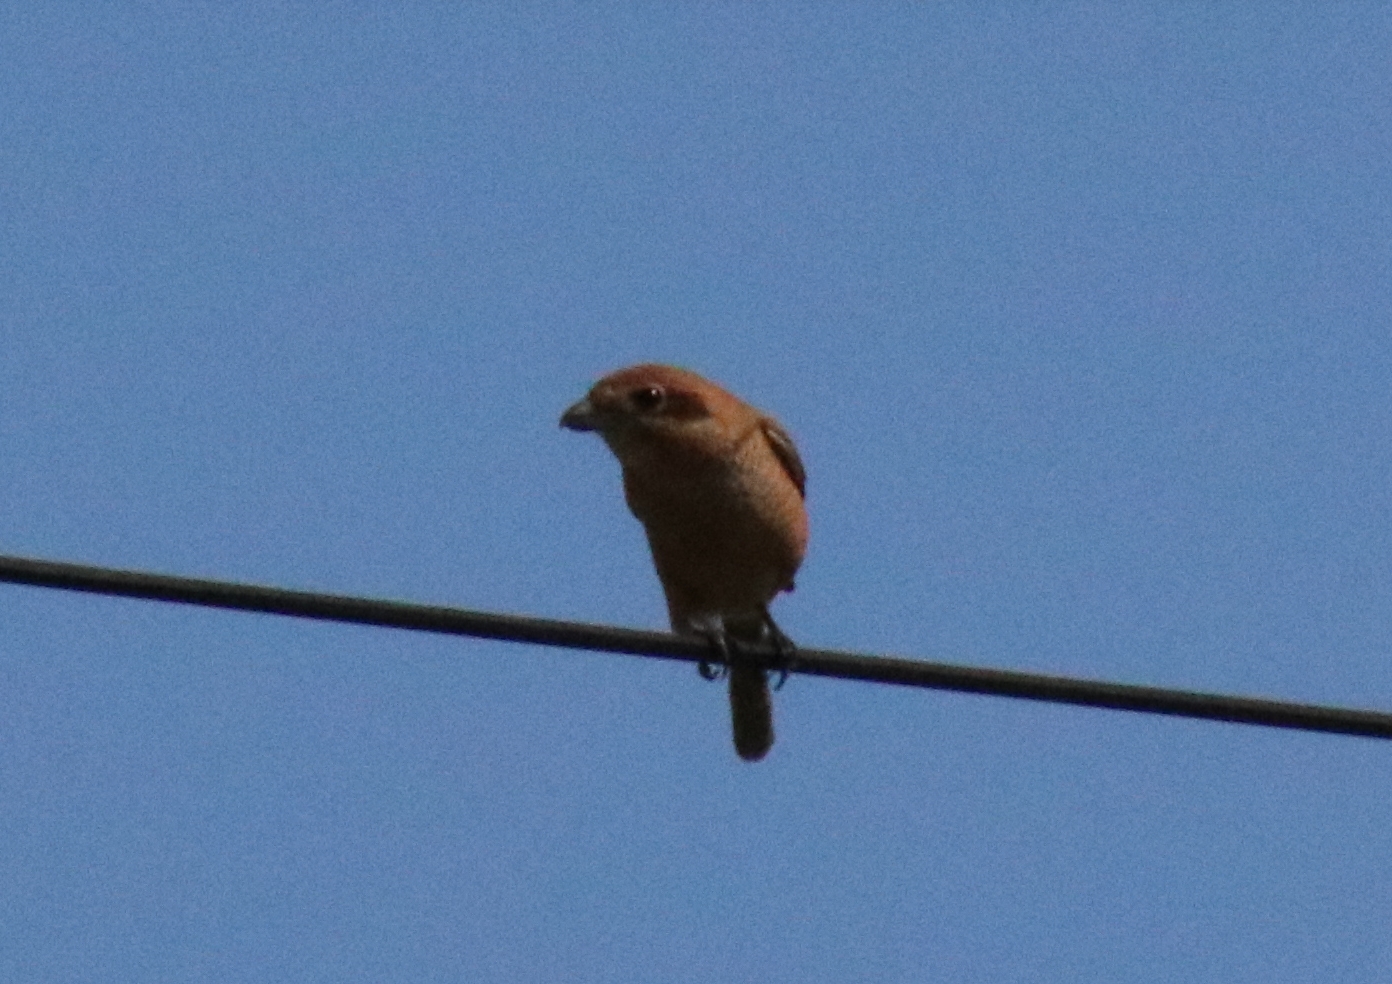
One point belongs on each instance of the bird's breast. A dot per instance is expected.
(724, 538)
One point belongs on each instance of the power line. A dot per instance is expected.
(607, 638)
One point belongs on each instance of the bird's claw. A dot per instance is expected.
(711, 671)
(784, 652)
(720, 666)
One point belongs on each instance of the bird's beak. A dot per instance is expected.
(580, 417)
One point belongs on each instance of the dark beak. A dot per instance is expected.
(580, 417)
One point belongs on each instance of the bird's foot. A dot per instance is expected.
(784, 653)
(784, 657)
(720, 643)
(774, 652)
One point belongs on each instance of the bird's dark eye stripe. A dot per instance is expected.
(647, 398)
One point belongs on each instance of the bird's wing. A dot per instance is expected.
(786, 452)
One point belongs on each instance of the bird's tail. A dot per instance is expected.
(751, 712)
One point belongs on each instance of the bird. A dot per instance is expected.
(720, 490)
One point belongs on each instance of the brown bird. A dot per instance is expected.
(719, 488)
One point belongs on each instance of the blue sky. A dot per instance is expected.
(1080, 318)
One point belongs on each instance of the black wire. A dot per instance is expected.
(606, 638)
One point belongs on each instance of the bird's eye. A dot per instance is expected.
(647, 398)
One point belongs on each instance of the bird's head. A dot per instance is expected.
(646, 403)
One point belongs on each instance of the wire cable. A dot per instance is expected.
(635, 642)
